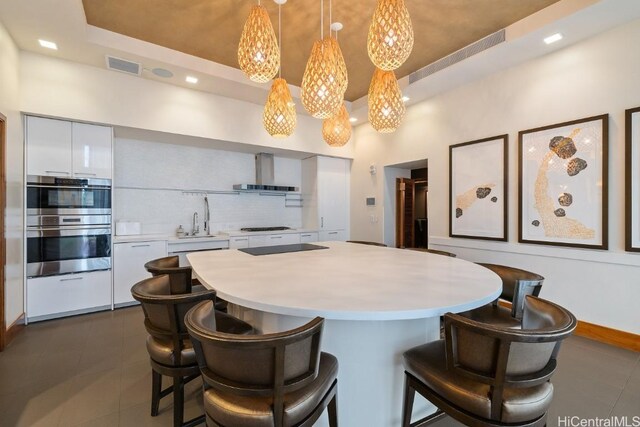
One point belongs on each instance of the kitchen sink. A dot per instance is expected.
(198, 236)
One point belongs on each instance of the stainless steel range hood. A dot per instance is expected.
(264, 176)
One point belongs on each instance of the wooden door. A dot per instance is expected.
(3, 191)
(405, 201)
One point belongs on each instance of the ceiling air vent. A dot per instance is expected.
(123, 66)
(462, 54)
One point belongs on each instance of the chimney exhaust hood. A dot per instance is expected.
(264, 176)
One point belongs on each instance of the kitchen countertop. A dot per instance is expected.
(220, 236)
(348, 282)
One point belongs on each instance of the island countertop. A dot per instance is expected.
(348, 281)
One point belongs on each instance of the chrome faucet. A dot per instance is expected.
(207, 217)
(195, 227)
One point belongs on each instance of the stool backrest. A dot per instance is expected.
(263, 365)
(508, 357)
(516, 284)
(164, 313)
(180, 276)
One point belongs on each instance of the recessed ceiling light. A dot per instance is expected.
(405, 98)
(553, 38)
(191, 79)
(48, 44)
(161, 72)
(353, 119)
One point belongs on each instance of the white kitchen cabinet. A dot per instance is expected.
(56, 296)
(273, 240)
(68, 149)
(325, 192)
(183, 247)
(332, 235)
(91, 151)
(48, 147)
(128, 266)
(308, 237)
(238, 242)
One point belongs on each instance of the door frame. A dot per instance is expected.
(3, 242)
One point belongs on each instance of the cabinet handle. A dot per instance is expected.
(73, 278)
(276, 237)
(305, 235)
(140, 246)
(321, 222)
(84, 173)
(241, 240)
(332, 232)
(66, 173)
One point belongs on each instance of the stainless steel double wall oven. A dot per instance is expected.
(68, 225)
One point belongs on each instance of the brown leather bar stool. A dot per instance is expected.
(516, 284)
(271, 380)
(170, 350)
(181, 277)
(483, 375)
(364, 242)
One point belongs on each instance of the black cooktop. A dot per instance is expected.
(282, 249)
(265, 228)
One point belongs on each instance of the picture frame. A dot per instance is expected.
(478, 189)
(563, 184)
(632, 177)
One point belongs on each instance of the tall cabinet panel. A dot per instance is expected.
(68, 149)
(91, 151)
(325, 192)
(48, 147)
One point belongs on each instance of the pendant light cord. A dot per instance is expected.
(280, 37)
(329, 18)
(321, 19)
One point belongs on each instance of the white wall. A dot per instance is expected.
(9, 106)
(596, 76)
(55, 87)
(158, 167)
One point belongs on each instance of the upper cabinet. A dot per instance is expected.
(325, 192)
(91, 151)
(68, 149)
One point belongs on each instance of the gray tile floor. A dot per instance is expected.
(93, 370)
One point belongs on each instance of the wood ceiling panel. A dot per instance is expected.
(211, 29)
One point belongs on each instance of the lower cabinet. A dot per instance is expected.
(308, 237)
(273, 240)
(56, 296)
(128, 266)
(332, 235)
(238, 242)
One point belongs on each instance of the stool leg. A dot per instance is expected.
(333, 411)
(407, 405)
(156, 386)
(178, 401)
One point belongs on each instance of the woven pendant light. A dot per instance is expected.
(336, 130)
(390, 38)
(342, 76)
(386, 108)
(321, 90)
(258, 53)
(279, 116)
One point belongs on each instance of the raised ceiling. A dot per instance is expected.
(211, 29)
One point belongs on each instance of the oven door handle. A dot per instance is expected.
(67, 231)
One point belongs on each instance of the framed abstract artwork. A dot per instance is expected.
(632, 180)
(478, 189)
(562, 171)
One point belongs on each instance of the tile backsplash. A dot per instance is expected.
(151, 179)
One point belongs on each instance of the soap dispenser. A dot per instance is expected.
(180, 231)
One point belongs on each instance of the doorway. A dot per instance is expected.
(411, 210)
(3, 242)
